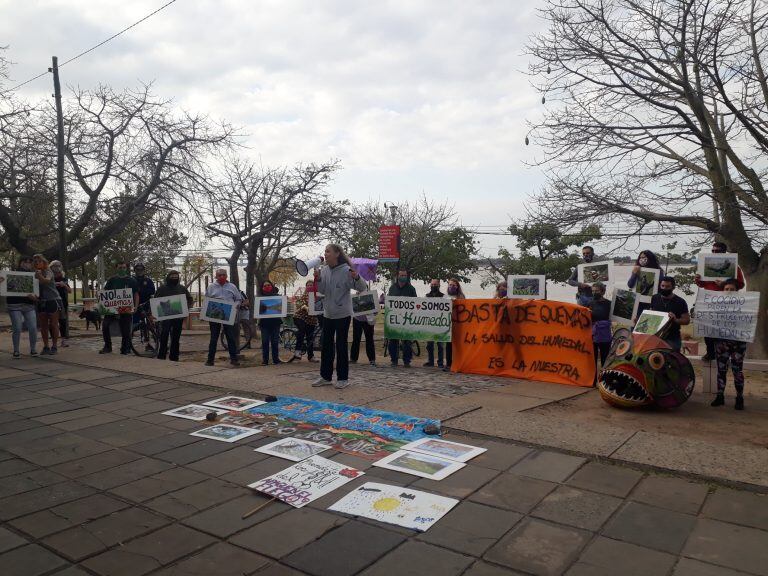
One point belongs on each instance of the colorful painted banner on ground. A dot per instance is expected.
(407, 318)
(530, 339)
(726, 315)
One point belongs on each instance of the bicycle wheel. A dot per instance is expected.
(145, 340)
(415, 348)
(288, 339)
(386, 347)
(246, 334)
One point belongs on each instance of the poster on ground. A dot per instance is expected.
(726, 315)
(423, 319)
(445, 449)
(116, 301)
(418, 464)
(529, 339)
(306, 481)
(294, 449)
(18, 283)
(395, 505)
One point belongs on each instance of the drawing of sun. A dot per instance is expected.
(386, 504)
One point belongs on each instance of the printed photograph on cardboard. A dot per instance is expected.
(234, 403)
(169, 307)
(444, 449)
(226, 432)
(420, 464)
(271, 307)
(193, 412)
(16, 283)
(316, 304)
(221, 311)
(294, 449)
(596, 272)
(624, 306)
(365, 303)
(647, 282)
(651, 322)
(531, 286)
(718, 266)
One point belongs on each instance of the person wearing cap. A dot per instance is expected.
(145, 285)
(121, 280)
(171, 328)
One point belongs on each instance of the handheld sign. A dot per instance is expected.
(116, 301)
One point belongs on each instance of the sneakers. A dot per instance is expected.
(372, 363)
(46, 351)
(447, 368)
(341, 384)
(33, 352)
(739, 403)
(321, 382)
(209, 362)
(719, 400)
(54, 350)
(16, 355)
(406, 364)
(234, 362)
(105, 351)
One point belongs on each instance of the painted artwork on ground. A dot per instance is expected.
(294, 449)
(18, 283)
(234, 403)
(306, 481)
(193, 412)
(394, 505)
(226, 432)
(419, 464)
(445, 449)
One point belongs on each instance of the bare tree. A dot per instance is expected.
(658, 114)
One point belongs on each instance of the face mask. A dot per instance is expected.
(665, 291)
(453, 290)
(140, 273)
(266, 289)
(221, 280)
(173, 281)
(402, 279)
(642, 261)
(122, 272)
(588, 257)
(434, 289)
(502, 292)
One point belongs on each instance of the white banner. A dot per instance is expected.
(726, 315)
(423, 319)
(117, 301)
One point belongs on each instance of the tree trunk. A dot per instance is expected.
(234, 271)
(758, 282)
(250, 289)
(84, 277)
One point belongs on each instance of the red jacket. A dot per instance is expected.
(712, 285)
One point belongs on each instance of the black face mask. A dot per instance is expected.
(665, 291)
(173, 281)
(434, 289)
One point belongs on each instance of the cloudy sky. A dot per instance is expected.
(412, 96)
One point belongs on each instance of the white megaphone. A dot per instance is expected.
(303, 267)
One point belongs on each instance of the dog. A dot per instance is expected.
(91, 316)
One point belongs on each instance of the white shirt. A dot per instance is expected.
(227, 291)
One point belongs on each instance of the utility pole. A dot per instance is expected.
(60, 163)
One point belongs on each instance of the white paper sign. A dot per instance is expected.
(306, 481)
(169, 307)
(423, 319)
(17, 283)
(651, 322)
(726, 315)
(116, 301)
(624, 306)
(394, 505)
(220, 311)
(270, 307)
(596, 272)
(444, 449)
(294, 449)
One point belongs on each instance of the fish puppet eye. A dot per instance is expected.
(623, 348)
(656, 360)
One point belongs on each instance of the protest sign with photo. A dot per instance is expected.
(17, 283)
(221, 311)
(169, 307)
(424, 319)
(529, 339)
(116, 301)
(270, 307)
(726, 315)
(365, 303)
(316, 304)
(420, 464)
(651, 322)
(647, 283)
(596, 272)
(533, 286)
(624, 306)
(717, 266)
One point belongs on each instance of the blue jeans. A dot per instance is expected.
(270, 338)
(431, 353)
(230, 332)
(20, 313)
(394, 351)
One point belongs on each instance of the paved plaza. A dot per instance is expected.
(94, 480)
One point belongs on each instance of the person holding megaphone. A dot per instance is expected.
(335, 279)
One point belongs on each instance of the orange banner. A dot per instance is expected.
(530, 339)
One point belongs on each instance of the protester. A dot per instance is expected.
(454, 293)
(270, 329)
(732, 351)
(171, 328)
(363, 325)
(120, 280)
(305, 324)
(48, 306)
(646, 259)
(64, 289)
(401, 287)
(335, 279)
(675, 307)
(717, 286)
(583, 290)
(434, 292)
(601, 324)
(501, 290)
(23, 309)
(221, 289)
(145, 285)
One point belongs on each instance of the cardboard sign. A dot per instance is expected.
(389, 243)
(530, 339)
(726, 315)
(17, 283)
(409, 318)
(117, 301)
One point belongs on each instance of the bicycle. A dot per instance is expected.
(288, 338)
(145, 336)
(414, 344)
(245, 335)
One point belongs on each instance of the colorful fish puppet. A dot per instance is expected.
(643, 370)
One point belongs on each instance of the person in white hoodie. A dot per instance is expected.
(335, 279)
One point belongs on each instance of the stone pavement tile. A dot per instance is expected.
(103, 400)
(9, 540)
(153, 388)
(196, 397)
(22, 437)
(167, 441)
(460, 484)
(20, 406)
(345, 550)
(604, 556)
(174, 392)
(193, 452)
(221, 559)
(55, 408)
(169, 421)
(471, 528)
(651, 527)
(158, 484)
(18, 425)
(55, 450)
(71, 571)
(110, 380)
(42, 498)
(576, 507)
(287, 532)
(98, 535)
(29, 480)
(124, 473)
(499, 456)
(10, 373)
(276, 569)
(689, 567)
(147, 407)
(130, 384)
(735, 547)
(672, 493)
(417, 559)
(86, 375)
(229, 461)
(539, 547)
(738, 507)
(89, 422)
(31, 560)
(12, 466)
(605, 478)
(59, 387)
(513, 492)
(485, 569)
(261, 469)
(85, 391)
(545, 465)
(154, 550)
(95, 463)
(194, 499)
(127, 437)
(348, 460)
(47, 522)
(227, 519)
(111, 428)
(128, 401)
(69, 415)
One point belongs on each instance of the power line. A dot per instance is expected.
(92, 48)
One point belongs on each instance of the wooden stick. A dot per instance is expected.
(259, 507)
